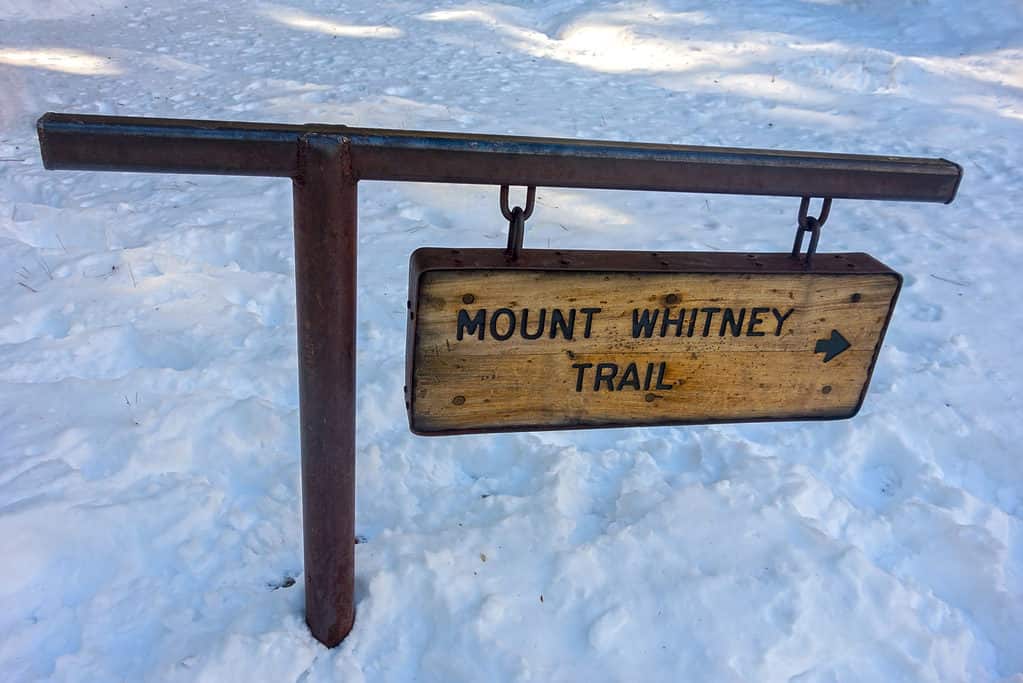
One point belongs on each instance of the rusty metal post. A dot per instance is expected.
(325, 279)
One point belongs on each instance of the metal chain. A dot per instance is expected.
(811, 225)
(804, 207)
(530, 200)
(517, 219)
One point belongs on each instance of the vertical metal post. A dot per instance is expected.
(325, 277)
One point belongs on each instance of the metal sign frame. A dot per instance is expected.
(426, 260)
(325, 164)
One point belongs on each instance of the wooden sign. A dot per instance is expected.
(570, 339)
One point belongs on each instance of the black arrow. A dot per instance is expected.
(831, 347)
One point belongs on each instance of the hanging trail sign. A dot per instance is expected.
(566, 339)
(724, 337)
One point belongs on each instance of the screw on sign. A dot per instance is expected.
(645, 339)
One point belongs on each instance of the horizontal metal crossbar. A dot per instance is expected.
(109, 143)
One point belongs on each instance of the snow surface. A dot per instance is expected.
(149, 481)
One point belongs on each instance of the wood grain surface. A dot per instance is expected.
(736, 346)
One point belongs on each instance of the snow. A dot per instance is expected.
(149, 481)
